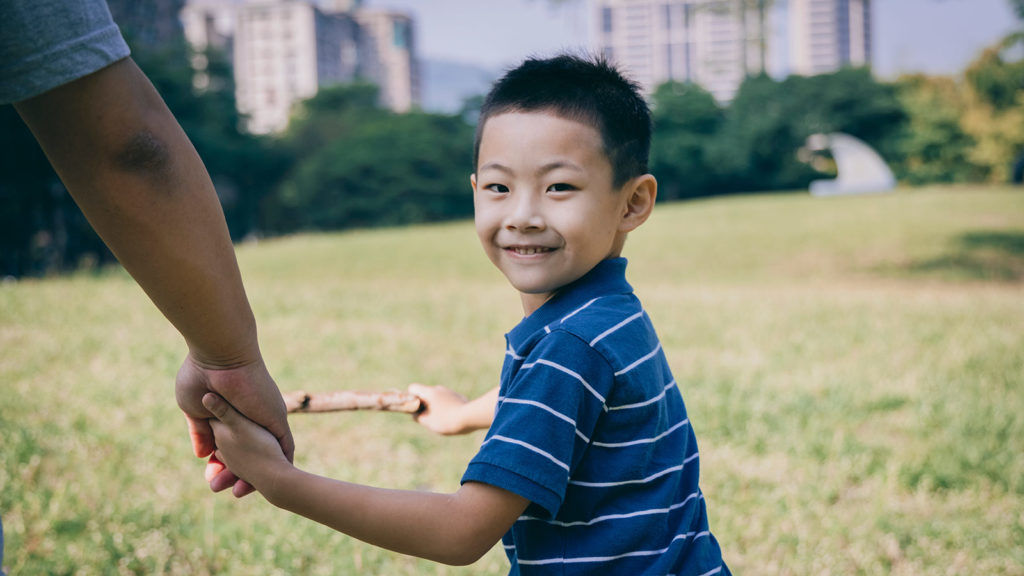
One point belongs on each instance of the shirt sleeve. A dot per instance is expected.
(544, 421)
(48, 43)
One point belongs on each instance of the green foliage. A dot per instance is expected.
(994, 116)
(686, 118)
(1018, 8)
(997, 79)
(934, 146)
(768, 121)
(360, 166)
(42, 231)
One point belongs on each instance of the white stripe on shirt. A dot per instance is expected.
(645, 402)
(642, 440)
(645, 358)
(510, 352)
(616, 327)
(529, 447)
(578, 310)
(650, 478)
(695, 536)
(695, 495)
(546, 408)
(570, 373)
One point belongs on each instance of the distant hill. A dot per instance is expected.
(447, 84)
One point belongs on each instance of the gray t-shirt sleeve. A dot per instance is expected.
(47, 43)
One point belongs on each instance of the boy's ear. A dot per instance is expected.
(472, 181)
(642, 192)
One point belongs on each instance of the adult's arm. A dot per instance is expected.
(137, 178)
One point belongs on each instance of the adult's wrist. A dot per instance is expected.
(241, 354)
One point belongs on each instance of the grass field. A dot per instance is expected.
(854, 368)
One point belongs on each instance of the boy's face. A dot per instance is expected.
(546, 208)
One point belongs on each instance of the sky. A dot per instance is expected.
(930, 36)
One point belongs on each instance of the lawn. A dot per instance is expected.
(853, 367)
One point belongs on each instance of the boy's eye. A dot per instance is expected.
(501, 188)
(561, 187)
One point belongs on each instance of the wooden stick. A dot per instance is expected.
(351, 400)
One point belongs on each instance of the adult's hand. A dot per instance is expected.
(251, 390)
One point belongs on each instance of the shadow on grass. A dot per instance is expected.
(990, 256)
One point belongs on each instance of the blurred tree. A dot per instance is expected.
(379, 169)
(329, 115)
(686, 119)
(41, 229)
(769, 121)
(934, 146)
(994, 116)
(995, 77)
(1018, 8)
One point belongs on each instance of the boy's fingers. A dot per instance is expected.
(202, 436)
(217, 406)
(242, 489)
(213, 467)
(223, 480)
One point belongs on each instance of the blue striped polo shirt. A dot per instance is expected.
(591, 428)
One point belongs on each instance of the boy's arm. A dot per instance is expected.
(448, 412)
(450, 528)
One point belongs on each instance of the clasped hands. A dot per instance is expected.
(251, 390)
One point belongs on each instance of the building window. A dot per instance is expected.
(400, 34)
(606, 19)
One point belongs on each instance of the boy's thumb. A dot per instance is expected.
(216, 405)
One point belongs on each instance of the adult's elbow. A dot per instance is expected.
(143, 153)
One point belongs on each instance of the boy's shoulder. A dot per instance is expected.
(602, 320)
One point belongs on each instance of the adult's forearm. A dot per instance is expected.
(140, 183)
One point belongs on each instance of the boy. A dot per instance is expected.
(589, 465)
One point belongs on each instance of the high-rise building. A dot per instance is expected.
(825, 35)
(718, 43)
(283, 51)
(388, 57)
(714, 43)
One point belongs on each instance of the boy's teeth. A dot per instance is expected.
(528, 251)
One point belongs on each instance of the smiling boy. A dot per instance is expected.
(590, 465)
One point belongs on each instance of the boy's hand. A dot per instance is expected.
(249, 450)
(443, 409)
(251, 390)
(447, 412)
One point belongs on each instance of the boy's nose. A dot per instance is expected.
(525, 213)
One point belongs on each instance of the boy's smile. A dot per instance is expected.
(546, 208)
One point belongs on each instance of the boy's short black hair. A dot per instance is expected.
(587, 90)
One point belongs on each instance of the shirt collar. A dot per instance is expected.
(608, 277)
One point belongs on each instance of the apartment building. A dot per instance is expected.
(718, 43)
(825, 35)
(388, 57)
(714, 43)
(283, 51)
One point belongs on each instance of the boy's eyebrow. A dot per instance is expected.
(550, 166)
(496, 166)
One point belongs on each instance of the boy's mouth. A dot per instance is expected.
(528, 250)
